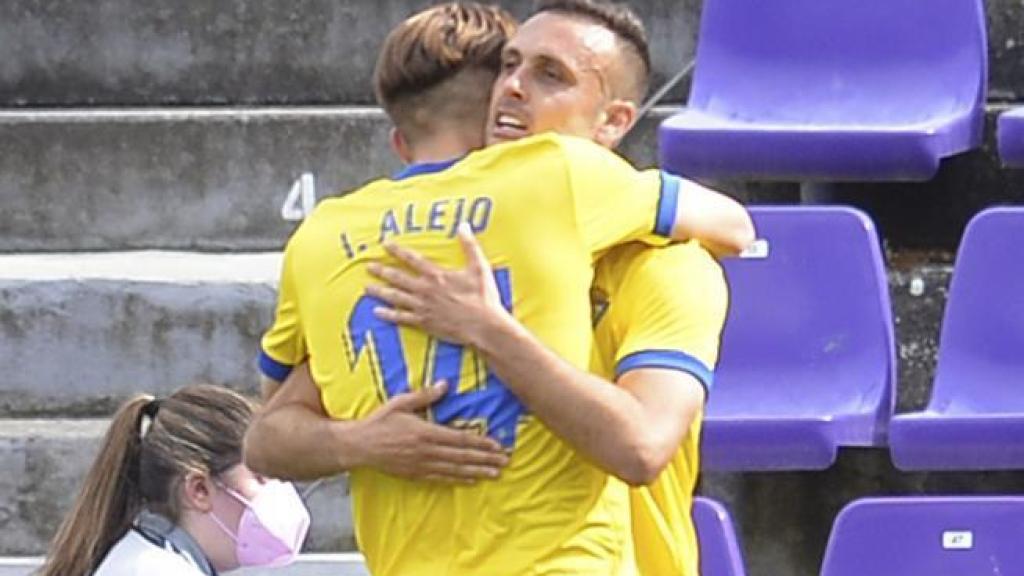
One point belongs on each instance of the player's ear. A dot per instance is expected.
(400, 146)
(617, 120)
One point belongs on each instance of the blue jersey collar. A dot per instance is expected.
(424, 168)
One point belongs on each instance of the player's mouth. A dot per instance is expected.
(509, 126)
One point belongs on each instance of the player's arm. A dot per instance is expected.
(294, 438)
(268, 387)
(283, 346)
(614, 203)
(719, 223)
(630, 431)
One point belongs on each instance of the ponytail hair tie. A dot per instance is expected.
(152, 407)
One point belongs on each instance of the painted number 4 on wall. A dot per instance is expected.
(301, 198)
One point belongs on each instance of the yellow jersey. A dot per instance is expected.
(661, 308)
(543, 209)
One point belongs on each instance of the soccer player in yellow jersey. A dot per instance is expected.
(658, 313)
(550, 512)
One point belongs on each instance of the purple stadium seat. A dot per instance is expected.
(831, 90)
(1010, 134)
(927, 536)
(808, 358)
(719, 550)
(975, 418)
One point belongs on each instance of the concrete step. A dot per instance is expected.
(174, 178)
(81, 332)
(120, 52)
(44, 461)
(215, 179)
(212, 179)
(344, 564)
(123, 52)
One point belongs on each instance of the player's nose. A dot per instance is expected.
(511, 85)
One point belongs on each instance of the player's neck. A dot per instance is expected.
(445, 146)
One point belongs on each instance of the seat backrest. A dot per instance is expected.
(933, 536)
(1010, 137)
(823, 61)
(809, 329)
(719, 549)
(981, 350)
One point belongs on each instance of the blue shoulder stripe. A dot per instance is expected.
(272, 368)
(667, 205)
(670, 359)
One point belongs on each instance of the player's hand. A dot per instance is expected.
(453, 305)
(401, 442)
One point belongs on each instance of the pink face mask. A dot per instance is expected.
(272, 528)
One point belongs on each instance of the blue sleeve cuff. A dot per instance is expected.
(669, 359)
(272, 368)
(667, 205)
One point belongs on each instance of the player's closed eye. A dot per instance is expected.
(509, 64)
(552, 74)
(551, 71)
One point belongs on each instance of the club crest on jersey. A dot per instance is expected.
(598, 304)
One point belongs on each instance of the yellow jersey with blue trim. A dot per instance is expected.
(661, 308)
(543, 209)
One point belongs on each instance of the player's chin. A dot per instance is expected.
(503, 134)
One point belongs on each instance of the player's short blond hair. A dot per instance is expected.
(440, 65)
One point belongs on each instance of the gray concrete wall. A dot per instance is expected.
(212, 178)
(185, 179)
(126, 52)
(79, 344)
(215, 179)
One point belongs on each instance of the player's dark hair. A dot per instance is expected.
(624, 22)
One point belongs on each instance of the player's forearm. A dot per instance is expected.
(719, 223)
(296, 443)
(597, 418)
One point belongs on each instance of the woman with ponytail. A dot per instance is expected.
(169, 495)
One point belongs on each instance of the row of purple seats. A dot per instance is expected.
(933, 536)
(808, 353)
(831, 90)
(893, 536)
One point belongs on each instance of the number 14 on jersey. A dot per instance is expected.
(488, 404)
